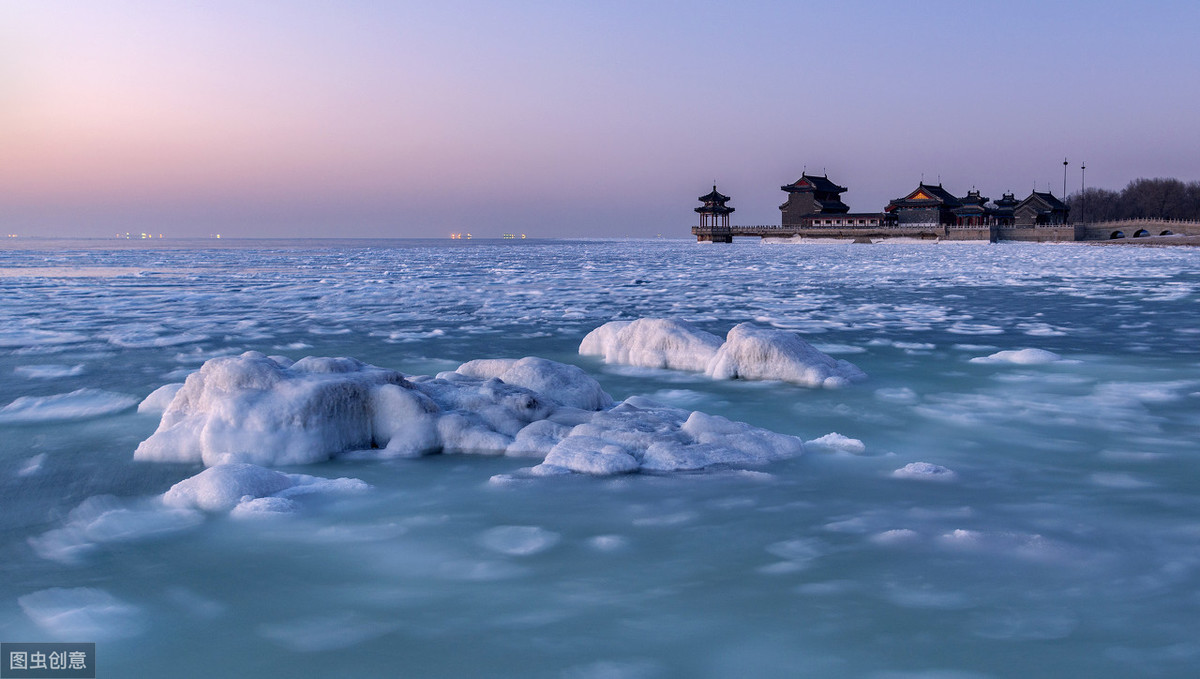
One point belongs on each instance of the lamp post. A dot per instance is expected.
(1082, 188)
(1064, 196)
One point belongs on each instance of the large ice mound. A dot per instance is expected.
(748, 352)
(652, 343)
(240, 414)
(754, 353)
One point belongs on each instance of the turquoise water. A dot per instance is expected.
(1066, 544)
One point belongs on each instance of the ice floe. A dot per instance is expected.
(105, 519)
(925, 471)
(78, 404)
(226, 487)
(1020, 357)
(754, 353)
(834, 442)
(748, 352)
(260, 410)
(241, 490)
(652, 343)
(71, 614)
(518, 540)
(49, 371)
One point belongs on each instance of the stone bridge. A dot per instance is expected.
(1137, 228)
(1114, 230)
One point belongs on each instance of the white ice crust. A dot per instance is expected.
(753, 353)
(925, 471)
(78, 404)
(241, 414)
(834, 442)
(1020, 357)
(748, 352)
(652, 343)
(226, 487)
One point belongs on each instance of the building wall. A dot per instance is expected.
(1041, 234)
(927, 215)
(798, 206)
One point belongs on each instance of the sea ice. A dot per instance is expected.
(159, 399)
(755, 353)
(565, 384)
(256, 410)
(227, 487)
(49, 371)
(105, 519)
(71, 614)
(652, 343)
(78, 404)
(834, 442)
(925, 471)
(748, 352)
(251, 408)
(518, 540)
(1020, 357)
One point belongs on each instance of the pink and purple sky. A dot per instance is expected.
(418, 119)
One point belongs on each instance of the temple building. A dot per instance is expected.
(811, 195)
(815, 209)
(1040, 209)
(1003, 209)
(928, 205)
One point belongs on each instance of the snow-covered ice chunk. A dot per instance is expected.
(159, 399)
(565, 384)
(227, 486)
(221, 488)
(925, 471)
(1020, 357)
(242, 413)
(834, 442)
(652, 343)
(642, 435)
(78, 404)
(71, 614)
(590, 455)
(250, 408)
(755, 353)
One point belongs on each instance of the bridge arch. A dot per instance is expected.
(1141, 233)
(1117, 234)
(1167, 232)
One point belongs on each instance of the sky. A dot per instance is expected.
(567, 119)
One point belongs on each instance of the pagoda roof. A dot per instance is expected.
(973, 197)
(714, 197)
(1007, 200)
(715, 209)
(928, 194)
(1047, 198)
(808, 182)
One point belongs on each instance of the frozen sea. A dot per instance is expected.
(1064, 541)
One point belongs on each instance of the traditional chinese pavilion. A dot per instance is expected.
(714, 213)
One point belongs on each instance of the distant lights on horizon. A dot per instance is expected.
(138, 236)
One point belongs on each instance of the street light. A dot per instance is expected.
(1082, 188)
(1064, 195)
